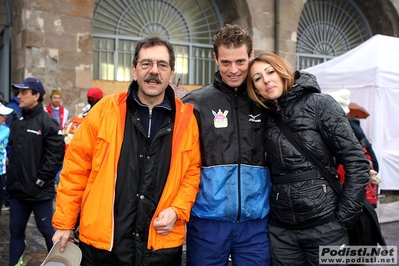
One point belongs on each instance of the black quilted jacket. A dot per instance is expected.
(300, 196)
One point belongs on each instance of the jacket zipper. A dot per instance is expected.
(239, 157)
(149, 123)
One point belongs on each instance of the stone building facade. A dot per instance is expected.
(53, 40)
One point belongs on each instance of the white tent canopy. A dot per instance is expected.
(371, 73)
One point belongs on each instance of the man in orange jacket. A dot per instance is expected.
(133, 170)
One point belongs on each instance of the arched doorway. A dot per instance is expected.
(329, 28)
(188, 25)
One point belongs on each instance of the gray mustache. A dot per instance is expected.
(153, 78)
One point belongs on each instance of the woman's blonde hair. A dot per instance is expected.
(283, 69)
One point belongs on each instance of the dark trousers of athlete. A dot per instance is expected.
(2, 190)
(20, 212)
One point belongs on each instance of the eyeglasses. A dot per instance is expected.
(147, 64)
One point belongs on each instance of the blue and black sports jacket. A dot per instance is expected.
(235, 182)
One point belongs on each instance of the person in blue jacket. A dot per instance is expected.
(4, 134)
(230, 215)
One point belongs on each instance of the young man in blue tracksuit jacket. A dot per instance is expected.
(230, 215)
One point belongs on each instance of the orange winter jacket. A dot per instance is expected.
(88, 178)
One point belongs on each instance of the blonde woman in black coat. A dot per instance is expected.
(305, 212)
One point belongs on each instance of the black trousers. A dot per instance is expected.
(301, 247)
(97, 257)
(2, 190)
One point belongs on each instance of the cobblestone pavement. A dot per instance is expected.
(35, 251)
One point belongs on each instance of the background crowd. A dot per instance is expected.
(142, 172)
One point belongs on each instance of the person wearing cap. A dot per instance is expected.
(60, 113)
(343, 98)
(93, 96)
(4, 134)
(132, 170)
(36, 153)
(54, 108)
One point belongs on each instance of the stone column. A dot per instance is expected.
(52, 41)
